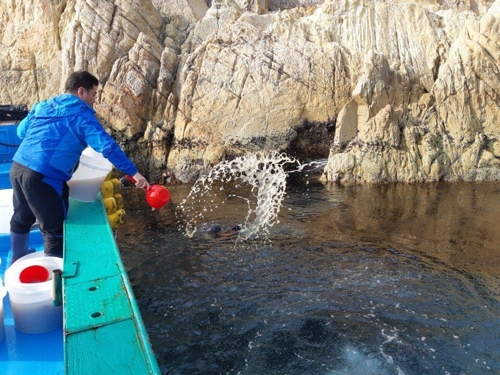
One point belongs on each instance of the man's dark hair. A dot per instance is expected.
(80, 79)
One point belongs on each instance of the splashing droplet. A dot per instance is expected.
(262, 173)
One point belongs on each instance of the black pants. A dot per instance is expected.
(37, 197)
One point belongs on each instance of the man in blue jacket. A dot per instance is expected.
(53, 135)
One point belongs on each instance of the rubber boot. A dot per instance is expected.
(19, 244)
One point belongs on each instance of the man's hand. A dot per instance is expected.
(140, 181)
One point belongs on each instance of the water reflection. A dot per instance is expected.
(397, 279)
(453, 223)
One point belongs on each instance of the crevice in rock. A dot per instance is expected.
(313, 140)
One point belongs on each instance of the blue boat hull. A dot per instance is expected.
(93, 343)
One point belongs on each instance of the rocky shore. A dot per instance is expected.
(388, 91)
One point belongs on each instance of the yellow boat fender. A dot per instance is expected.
(112, 174)
(110, 205)
(119, 201)
(116, 219)
(113, 200)
(116, 185)
(107, 189)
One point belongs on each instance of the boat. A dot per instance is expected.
(102, 331)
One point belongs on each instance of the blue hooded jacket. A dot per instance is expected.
(55, 133)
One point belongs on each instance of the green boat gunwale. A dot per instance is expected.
(100, 310)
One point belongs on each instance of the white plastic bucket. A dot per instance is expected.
(7, 209)
(3, 292)
(89, 176)
(31, 304)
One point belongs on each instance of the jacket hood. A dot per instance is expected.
(61, 106)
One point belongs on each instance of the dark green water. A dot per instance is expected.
(398, 279)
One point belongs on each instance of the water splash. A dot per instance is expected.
(358, 363)
(264, 176)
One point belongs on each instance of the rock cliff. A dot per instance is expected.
(387, 90)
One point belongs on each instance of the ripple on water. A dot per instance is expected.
(324, 295)
(315, 310)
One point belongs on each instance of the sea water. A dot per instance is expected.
(390, 279)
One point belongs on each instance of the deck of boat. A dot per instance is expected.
(103, 328)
